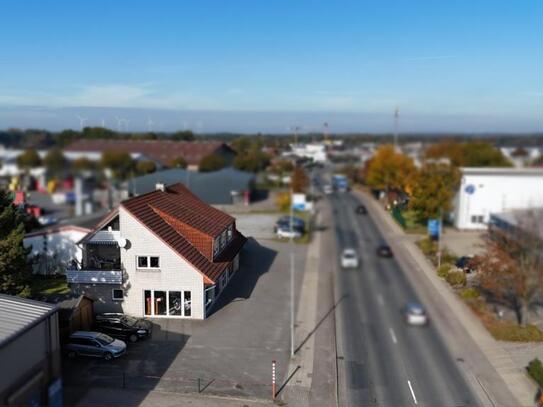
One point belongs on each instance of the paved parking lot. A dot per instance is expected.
(230, 352)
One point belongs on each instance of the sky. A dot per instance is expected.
(266, 66)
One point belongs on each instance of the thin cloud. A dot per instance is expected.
(430, 58)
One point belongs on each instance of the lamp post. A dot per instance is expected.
(291, 274)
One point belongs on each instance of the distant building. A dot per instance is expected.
(30, 353)
(162, 152)
(313, 151)
(224, 187)
(484, 191)
(161, 254)
(521, 156)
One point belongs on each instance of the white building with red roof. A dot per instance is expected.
(164, 254)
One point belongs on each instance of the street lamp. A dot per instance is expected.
(291, 273)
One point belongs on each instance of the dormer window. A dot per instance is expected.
(216, 246)
(230, 232)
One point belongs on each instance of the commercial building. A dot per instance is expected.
(484, 191)
(161, 254)
(30, 353)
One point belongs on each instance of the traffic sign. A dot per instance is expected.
(470, 189)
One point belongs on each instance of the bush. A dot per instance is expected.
(511, 332)
(456, 278)
(428, 247)
(444, 269)
(282, 200)
(535, 370)
(469, 293)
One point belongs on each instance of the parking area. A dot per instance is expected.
(229, 354)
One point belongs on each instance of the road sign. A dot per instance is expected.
(434, 228)
(470, 189)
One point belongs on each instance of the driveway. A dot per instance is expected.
(229, 354)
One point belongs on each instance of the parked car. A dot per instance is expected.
(349, 259)
(297, 223)
(94, 344)
(285, 232)
(328, 189)
(123, 326)
(361, 210)
(383, 250)
(415, 314)
(464, 264)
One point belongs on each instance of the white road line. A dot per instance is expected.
(412, 392)
(380, 299)
(393, 335)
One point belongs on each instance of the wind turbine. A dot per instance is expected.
(150, 124)
(119, 122)
(126, 121)
(82, 121)
(103, 123)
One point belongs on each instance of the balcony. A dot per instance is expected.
(94, 276)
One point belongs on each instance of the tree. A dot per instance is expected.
(29, 159)
(178, 162)
(511, 268)
(55, 162)
(299, 180)
(281, 167)
(389, 170)
(83, 164)
(119, 163)
(145, 167)
(483, 154)
(212, 162)
(282, 200)
(185, 135)
(253, 161)
(432, 190)
(446, 149)
(14, 267)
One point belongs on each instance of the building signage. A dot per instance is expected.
(470, 189)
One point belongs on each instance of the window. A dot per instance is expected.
(230, 232)
(148, 302)
(148, 262)
(216, 246)
(209, 295)
(117, 294)
(160, 303)
(174, 302)
(187, 303)
(477, 219)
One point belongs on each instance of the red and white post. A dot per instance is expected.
(273, 379)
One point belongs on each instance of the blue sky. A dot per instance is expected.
(463, 65)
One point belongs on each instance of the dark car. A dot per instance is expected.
(123, 326)
(384, 251)
(465, 263)
(361, 210)
(298, 225)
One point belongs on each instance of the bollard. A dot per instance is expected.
(273, 379)
(199, 385)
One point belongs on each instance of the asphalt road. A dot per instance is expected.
(385, 361)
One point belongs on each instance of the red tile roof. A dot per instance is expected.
(178, 202)
(162, 151)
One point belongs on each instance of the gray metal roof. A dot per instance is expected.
(19, 314)
(214, 188)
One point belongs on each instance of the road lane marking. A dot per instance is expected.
(380, 299)
(412, 392)
(393, 335)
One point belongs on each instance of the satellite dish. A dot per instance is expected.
(122, 242)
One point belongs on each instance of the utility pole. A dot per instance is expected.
(291, 273)
(439, 237)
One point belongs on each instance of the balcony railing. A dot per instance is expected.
(94, 276)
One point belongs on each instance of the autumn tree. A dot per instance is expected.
(212, 162)
(29, 159)
(432, 190)
(449, 149)
(83, 164)
(511, 269)
(145, 167)
(253, 160)
(178, 162)
(119, 163)
(469, 154)
(299, 180)
(389, 170)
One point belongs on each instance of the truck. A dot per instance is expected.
(340, 183)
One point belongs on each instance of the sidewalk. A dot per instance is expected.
(484, 362)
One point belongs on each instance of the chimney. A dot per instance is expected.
(160, 187)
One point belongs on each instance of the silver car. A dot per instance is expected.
(94, 344)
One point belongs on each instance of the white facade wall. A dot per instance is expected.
(175, 273)
(496, 190)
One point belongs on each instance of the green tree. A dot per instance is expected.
(389, 170)
(145, 167)
(55, 162)
(98, 133)
(29, 159)
(483, 154)
(185, 135)
(178, 162)
(14, 267)
(119, 163)
(252, 161)
(212, 162)
(299, 180)
(432, 190)
(83, 164)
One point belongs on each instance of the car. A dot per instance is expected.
(464, 263)
(415, 314)
(361, 210)
(297, 223)
(349, 259)
(47, 220)
(123, 326)
(285, 232)
(94, 344)
(383, 250)
(327, 189)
